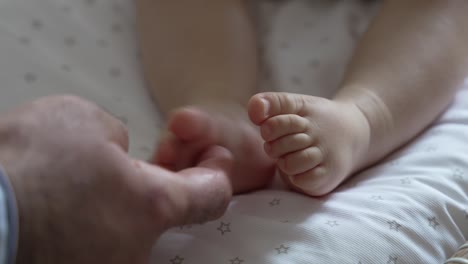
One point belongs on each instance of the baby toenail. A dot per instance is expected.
(294, 182)
(266, 107)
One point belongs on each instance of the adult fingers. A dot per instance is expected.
(115, 129)
(72, 113)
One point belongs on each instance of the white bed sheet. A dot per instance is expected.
(409, 209)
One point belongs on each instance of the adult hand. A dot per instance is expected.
(82, 199)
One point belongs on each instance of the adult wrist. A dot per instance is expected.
(9, 220)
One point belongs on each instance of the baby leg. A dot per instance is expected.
(201, 62)
(397, 83)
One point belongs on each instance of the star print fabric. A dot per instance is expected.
(410, 208)
(82, 47)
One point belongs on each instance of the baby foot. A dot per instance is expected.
(194, 129)
(317, 142)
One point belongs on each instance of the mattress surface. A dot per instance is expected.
(410, 208)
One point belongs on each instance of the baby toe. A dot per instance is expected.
(300, 161)
(282, 103)
(314, 182)
(283, 125)
(188, 123)
(288, 144)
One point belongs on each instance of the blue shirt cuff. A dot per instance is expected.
(9, 221)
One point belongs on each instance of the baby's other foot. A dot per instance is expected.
(194, 129)
(317, 142)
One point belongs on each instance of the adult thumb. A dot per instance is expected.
(194, 195)
(208, 185)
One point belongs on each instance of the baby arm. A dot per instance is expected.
(200, 60)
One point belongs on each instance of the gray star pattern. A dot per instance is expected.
(177, 260)
(117, 8)
(458, 173)
(392, 260)
(332, 223)
(377, 198)
(314, 64)
(282, 249)
(37, 24)
(66, 9)
(430, 149)
(224, 228)
(324, 40)
(24, 40)
(296, 80)
(30, 77)
(433, 222)
(405, 181)
(116, 28)
(65, 67)
(236, 261)
(394, 225)
(275, 202)
(102, 43)
(70, 41)
(90, 2)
